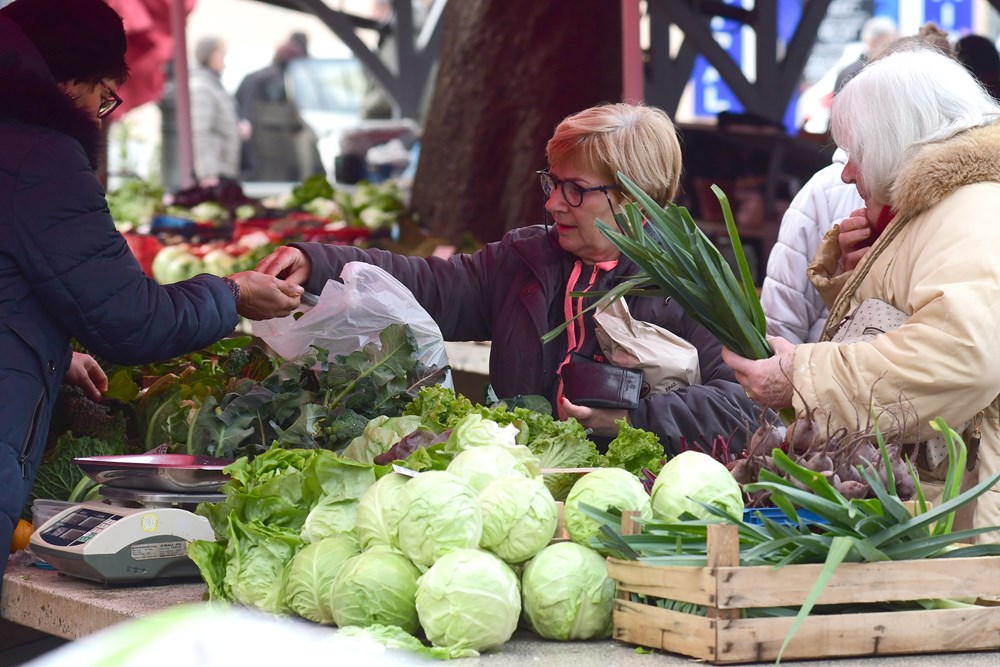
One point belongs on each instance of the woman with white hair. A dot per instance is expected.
(216, 129)
(923, 148)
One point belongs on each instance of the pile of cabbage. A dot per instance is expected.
(453, 556)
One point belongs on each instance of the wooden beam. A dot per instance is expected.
(414, 54)
(666, 76)
(775, 81)
(725, 11)
(697, 33)
(800, 46)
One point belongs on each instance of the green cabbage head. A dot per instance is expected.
(257, 557)
(468, 599)
(329, 517)
(519, 518)
(692, 477)
(481, 465)
(440, 513)
(378, 586)
(568, 594)
(475, 431)
(604, 488)
(311, 575)
(379, 511)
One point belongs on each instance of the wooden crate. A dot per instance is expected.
(725, 588)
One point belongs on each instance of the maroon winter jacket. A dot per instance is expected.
(511, 293)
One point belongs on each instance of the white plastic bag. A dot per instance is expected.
(667, 361)
(351, 314)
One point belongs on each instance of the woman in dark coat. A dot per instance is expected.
(515, 290)
(65, 271)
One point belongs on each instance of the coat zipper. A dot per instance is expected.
(22, 458)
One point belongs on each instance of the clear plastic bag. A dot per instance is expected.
(350, 314)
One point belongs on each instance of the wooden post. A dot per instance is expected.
(723, 551)
(182, 96)
(632, 74)
(629, 527)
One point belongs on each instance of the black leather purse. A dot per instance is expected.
(597, 385)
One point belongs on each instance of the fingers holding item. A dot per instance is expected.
(578, 412)
(263, 297)
(765, 381)
(780, 345)
(736, 362)
(600, 421)
(287, 262)
(854, 239)
(85, 373)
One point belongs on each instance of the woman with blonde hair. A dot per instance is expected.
(515, 290)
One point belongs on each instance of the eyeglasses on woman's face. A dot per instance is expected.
(571, 192)
(109, 102)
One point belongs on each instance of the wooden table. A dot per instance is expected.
(73, 608)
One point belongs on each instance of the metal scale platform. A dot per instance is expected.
(140, 530)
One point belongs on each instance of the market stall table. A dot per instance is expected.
(73, 608)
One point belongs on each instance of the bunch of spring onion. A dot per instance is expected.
(677, 260)
(860, 530)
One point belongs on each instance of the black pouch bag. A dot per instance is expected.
(597, 385)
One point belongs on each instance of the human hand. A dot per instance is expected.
(600, 421)
(208, 182)
(85, 373)
(854, 239)
(263, 297)
(246, 130)
(287, 262)
(766, 381)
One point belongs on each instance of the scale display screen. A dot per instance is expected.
(79, 527)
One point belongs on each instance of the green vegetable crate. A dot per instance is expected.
(726, 635)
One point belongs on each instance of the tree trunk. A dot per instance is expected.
(510, 70)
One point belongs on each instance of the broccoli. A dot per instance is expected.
(344, 428)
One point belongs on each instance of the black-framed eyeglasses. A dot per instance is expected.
(571, 192)
(109, 103)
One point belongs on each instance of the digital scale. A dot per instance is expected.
(138, 532)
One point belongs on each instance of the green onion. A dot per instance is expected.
(867, 530)
(677, 259)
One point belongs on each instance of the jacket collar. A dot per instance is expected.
(937, 170)
(28, 93)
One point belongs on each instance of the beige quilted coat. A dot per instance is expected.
(939, 261)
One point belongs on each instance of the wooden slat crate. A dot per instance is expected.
(725, 588)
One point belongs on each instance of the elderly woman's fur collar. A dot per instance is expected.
(30, 99)
(939, 169)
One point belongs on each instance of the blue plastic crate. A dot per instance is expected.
(753, 515)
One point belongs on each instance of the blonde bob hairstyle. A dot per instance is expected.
(900, 103)
(638, 140)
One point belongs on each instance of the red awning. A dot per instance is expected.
(150, 47)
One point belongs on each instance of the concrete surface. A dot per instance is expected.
(71, 608)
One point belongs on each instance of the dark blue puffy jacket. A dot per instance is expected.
(66, 272)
